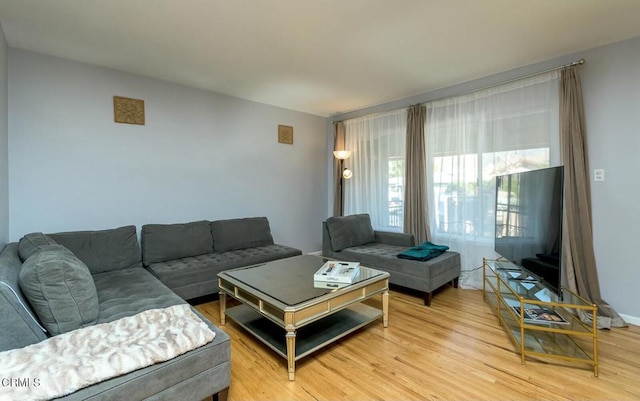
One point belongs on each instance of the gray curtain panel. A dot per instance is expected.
(578, 253)
(415, 196)
(338, 144)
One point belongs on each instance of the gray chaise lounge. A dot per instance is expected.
(351, 238)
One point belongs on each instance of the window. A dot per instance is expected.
(470, 140)
(465, 192)
(377, 143)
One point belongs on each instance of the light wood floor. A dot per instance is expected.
(453, 350)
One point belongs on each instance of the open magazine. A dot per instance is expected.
(537, 314)
(540, 315)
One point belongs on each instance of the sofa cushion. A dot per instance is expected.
(127, 292)
(103, 250)
(162, 242)
(232, 234)
(60, 289)
(31, 243)
(198, 275)
(348, 231)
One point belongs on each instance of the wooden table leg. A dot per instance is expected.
(385, 309)
(223, 308)
(291, 354)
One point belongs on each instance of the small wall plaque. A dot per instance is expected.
(285, 134)
(128, 111)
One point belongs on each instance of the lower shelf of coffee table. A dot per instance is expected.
(309, 338)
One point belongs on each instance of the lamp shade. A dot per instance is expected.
(346, 174)
(342, 154)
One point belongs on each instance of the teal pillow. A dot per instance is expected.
(60, 289)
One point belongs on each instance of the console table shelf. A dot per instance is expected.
(513, 294)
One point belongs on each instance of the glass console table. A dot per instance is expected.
(539, 322)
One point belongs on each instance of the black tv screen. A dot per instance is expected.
(529, 222)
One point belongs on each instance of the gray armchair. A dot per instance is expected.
(351, 238)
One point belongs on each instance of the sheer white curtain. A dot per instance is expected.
(470, 140)
(377, 143)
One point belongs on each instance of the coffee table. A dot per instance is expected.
(282, 306)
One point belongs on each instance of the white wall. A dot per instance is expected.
(201, 155)
(4, 146)
(611, 90)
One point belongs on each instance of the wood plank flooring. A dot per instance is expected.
(453, 350)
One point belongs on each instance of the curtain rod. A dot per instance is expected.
(573, 64)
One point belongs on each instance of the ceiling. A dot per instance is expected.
(322, 57)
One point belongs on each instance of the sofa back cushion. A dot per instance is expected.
(162, 242)
(31, 243)
(103, 250)
(60, 289)
(20, 326)
(348, 231)
(232, 234)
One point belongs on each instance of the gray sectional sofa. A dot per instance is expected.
(105, 276)
(188, 257)
(352, 238)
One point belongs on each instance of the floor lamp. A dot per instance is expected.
(344, 174)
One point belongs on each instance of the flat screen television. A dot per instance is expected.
(528, 218)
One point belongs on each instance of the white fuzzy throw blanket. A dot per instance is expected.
(68, 362)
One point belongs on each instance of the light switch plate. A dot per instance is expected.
(598, 174)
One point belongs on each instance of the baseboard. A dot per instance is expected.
(317, 253)
(631, 319)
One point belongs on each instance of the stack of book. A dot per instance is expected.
(336, 272)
